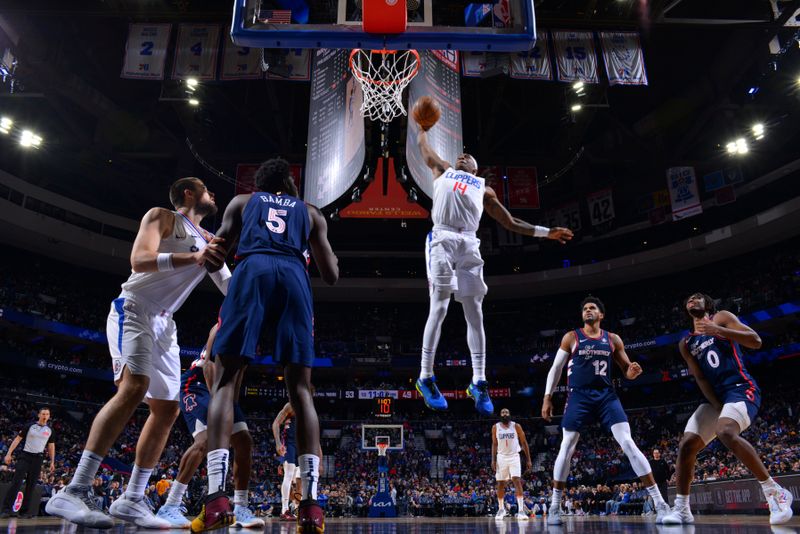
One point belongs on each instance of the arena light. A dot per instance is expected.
(192, 82)
(576, 107)
(577, 86)
(194, 102)
(28, 139)
(741, 146)
(758, 131)
(731, 147)
(5, 125)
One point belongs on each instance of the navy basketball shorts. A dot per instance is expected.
(740, 404)
(587, 406)
(194, 407)
(268, 294)
(291, 454)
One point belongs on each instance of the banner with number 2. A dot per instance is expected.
(146, 51)
(196, 52)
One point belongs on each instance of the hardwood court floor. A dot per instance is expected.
(738, 524)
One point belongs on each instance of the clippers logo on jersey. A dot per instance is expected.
(463, 181)
(458, 200)
(590, 363)
(721, 362)
(507, 439)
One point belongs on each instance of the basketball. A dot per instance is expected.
(426, 112)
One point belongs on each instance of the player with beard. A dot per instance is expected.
(508, 439)
(590, 351)
(168, 261)
(713, 352)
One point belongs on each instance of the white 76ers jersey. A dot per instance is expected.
(458, 200)
(507, 439)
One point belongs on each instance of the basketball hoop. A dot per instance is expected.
(382, 448)
(382, 75)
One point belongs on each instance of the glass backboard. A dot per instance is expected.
(371, 435)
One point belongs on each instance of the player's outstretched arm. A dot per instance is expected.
(697, 373)
(499, 213)
(280, 448)
(432, 159)
(630, 369)
(727, 325)
(326, 260)
(554, 375)
(523, 443)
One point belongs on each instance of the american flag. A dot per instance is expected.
(275, 16)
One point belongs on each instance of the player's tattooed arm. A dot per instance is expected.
(432, 159)
(523, 442)
(697, 373)
(498, 212)
(630, 369)
(494, 448)
(727, 325)
(321, 250)
(280, 448)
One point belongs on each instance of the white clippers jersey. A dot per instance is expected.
(168, 290)
(507, 439)
(458, 200)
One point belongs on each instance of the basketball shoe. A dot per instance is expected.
(554, 516)
(76, 504)
(480, 394)
(678, 516)
(216, 513)
(780, 506)
(137, 511)
(245, 518)
(430, 393)
(310, 518)
(502, 513)
(172, 513)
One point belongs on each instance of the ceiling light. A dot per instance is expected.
(194, 102)
(731, 147)
(191, 82)
(29, 139)
(6, 123)
(741, 146)
(577, 86)
(758, 131)
(576, 107)
(753, 90)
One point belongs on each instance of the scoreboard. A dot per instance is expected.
(383, 407)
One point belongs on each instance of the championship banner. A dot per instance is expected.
(682, 185)
(474, 64)
(622, 52)
(534, 64)
(196, 52)
(576, 59)
(568, 216)
(240, 62)
(601, 207)
(523, 191)
(493, 175)
(297, 67)
(146, 51)
(246, 172)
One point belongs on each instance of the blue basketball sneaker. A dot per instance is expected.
(430, 393)
(480, 394)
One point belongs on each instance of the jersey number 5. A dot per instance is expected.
(274, 222)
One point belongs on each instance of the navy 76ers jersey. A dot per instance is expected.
(721, 362)
(275, 224)
(590, 362)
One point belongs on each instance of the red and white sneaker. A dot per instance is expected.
(780, 507)
(310, 518)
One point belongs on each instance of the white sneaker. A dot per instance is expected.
(678, 516)
(662, 511)
(554, 517)
(501, 513)
(521, 517)
(137, 512)
(245, 518)
(77, 505)
(780, 507)
(172, 513)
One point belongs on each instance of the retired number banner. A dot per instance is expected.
(240, 62)
(474, 64)
(146, 51)
(297, 67)
(601, 207)
(576, 59)
(568, 216)
(196, 52)
(523, 189)
(534, 64)
(622, 52)
(682, 185)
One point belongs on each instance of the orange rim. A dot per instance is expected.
(358, 75)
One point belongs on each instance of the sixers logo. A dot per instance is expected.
(189, 402)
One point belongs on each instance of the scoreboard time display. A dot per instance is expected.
(383, 407)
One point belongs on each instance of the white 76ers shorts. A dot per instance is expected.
(508, 467)
(146, 342)
(454, 264)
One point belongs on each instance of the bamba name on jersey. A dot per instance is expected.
(287, 202)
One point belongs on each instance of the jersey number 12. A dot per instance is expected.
(600, 367)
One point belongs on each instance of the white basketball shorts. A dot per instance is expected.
(146, 342)
(508, 467)
(703, 421)
(453, 262)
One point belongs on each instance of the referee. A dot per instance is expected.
(29, 463)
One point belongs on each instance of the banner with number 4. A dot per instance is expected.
(196, 52)
(146, 51)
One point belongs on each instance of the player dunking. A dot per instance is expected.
(455, 266)
(167, 260)
(270, 292)
(508, 439)
(590, 351)
(714, 356)
(194, 398)
(284, 432)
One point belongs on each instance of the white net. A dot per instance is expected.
(383, 74)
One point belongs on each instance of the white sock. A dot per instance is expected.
(769, 486)
(500, 503)
(286, 488)
(138, 482)
(309, 474)
(520, 506)
(217, 463)
(240, 497)
(426, 369)
(478, 366)
(682, 501)
(655, 493)
(555, 502)
(175, 497)
(87, 469)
